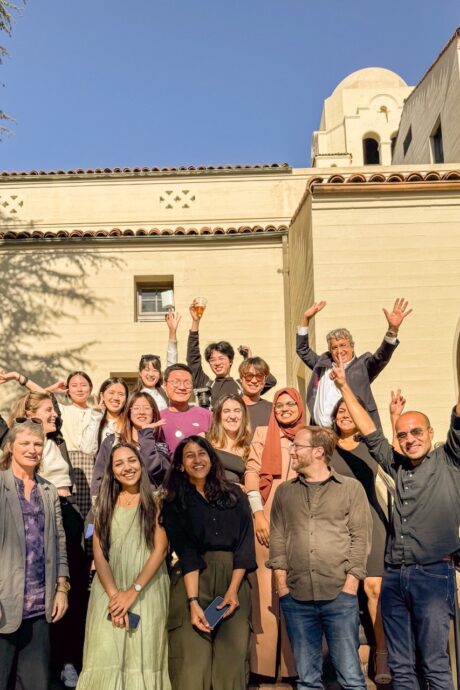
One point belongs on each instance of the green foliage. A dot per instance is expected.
(7, 9)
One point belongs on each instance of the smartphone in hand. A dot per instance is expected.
(133, 620)
(214, 615)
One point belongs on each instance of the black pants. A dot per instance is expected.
(67, 635)
(25, 654)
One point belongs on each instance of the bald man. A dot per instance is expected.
(418, 586)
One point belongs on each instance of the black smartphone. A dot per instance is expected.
(133, 619)
(243, 352)
(214, 615)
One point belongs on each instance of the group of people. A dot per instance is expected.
(236, 504)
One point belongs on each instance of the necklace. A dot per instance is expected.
(127, 502)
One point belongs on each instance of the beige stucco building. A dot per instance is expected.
(86, 254)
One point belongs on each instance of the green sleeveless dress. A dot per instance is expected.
(114, 658)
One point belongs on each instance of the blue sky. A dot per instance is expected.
(173, 82)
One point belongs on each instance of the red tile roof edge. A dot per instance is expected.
(145, 169)
(141, 232)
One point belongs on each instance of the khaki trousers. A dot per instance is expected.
(218, 661)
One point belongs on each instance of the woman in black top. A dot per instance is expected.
(209, 525)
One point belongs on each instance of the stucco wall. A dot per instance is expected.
(241, 278)
(369, 248)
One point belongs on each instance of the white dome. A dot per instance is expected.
(371, 78)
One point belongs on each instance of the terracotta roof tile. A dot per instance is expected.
(138, 170)
(141, 232)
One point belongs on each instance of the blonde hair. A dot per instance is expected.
(31, 428)
(26, 406)
(217, 436)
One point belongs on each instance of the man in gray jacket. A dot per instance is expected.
(322, 394)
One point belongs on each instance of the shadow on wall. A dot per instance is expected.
(37, 290)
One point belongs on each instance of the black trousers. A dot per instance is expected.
(67, 635)
(25, 656)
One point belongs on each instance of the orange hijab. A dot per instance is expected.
(271, 456)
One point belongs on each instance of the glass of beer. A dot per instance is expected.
(200, 305)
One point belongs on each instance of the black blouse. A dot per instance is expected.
(203, 526)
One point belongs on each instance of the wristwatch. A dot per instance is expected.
(137, 587)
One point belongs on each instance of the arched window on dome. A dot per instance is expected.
(371, 153)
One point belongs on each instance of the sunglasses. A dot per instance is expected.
(258, 377)
(34, 420)
(416, 433)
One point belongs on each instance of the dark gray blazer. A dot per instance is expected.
(360, 373)
(13, 550)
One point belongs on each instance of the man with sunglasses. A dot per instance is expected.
(418, 587)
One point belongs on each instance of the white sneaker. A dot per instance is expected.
(69, 676)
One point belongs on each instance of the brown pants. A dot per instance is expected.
(198, 661)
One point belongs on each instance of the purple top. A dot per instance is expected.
(33, 515)
(194, 421)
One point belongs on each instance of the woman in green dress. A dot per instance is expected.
(131, 576)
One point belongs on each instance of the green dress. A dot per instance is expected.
(114, 658)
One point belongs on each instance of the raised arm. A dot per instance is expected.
(360, 416)
(200, 380)
(154, 457)
(397, 403)
(452, 446)
(172, 321)
(303, 349)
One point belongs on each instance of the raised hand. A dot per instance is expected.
(154, 425)
(193, 313)
(397, 403)
(398, 313)
(57, 387)
(312, 311)
(337, 374)
(172, 319)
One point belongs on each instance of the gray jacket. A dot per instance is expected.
(13, 550)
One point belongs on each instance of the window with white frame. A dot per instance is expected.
(153, 299)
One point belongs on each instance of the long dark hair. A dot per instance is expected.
(126, 423)
(156, 363)
(107, 499)
(335, 428)
(217, 489)
(106, 384)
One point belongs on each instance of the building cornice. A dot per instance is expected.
(152, 233)
(136, 172)
(375, 182)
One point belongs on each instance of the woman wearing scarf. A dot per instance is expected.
(268, 465)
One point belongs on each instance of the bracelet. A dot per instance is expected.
(192, 599)
(391, 334)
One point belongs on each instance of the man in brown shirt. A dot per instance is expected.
(320, 537)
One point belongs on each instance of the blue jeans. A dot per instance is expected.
(417, 604)
(338, 620)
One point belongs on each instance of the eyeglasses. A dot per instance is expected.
(34, 420)
(296, 446)
(249, 377)
(290, 405)
(177, 383)
(416, 433)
